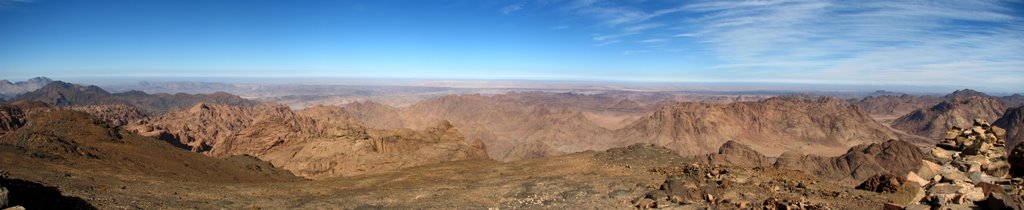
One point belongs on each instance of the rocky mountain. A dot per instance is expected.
(882, 106)
(958, 108)
(54, 139)
(738, 154)
(520, 126)
(964, 94)
(61, 93)
(317, 142)
(1013, 122)
(858, 163)
(67, 94)
(1013, 100)
(513, 126)
(772, 126)
(8, 89)
(159, 103)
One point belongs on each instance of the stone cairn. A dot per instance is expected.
(969, 168)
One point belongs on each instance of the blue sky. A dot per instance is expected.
(967, 43)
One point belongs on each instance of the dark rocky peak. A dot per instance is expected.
(965, 93)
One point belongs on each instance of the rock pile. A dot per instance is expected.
(968, 168)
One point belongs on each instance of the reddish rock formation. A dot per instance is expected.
(11, 118)
(60, 139)
(318, 142)
(770, 126)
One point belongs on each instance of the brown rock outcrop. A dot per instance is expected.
(859, 163)
(959, 108)
(115, 114)
(1012, 123)
(735, 153)
(895, 105)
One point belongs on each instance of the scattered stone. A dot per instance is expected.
(973, 165)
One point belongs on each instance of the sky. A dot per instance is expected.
(974, 43)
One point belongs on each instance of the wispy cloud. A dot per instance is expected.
(652, 41)
(512, 8)
(13, 3)
(865, 41)
(844, 41)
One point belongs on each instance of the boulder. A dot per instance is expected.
(943, 154)
(913, 177)
(909, 193)
(645, 203)
(1000, 200)
(3, 197)
(951, 174)
(882, 183)
(998, 169)
(1016, 160)
(918, 207)
(928, 169)
(971, 193)
(892, 206)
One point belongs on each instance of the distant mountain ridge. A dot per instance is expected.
(9, 90)
(61, 93)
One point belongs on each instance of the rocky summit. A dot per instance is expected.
(969, 168)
